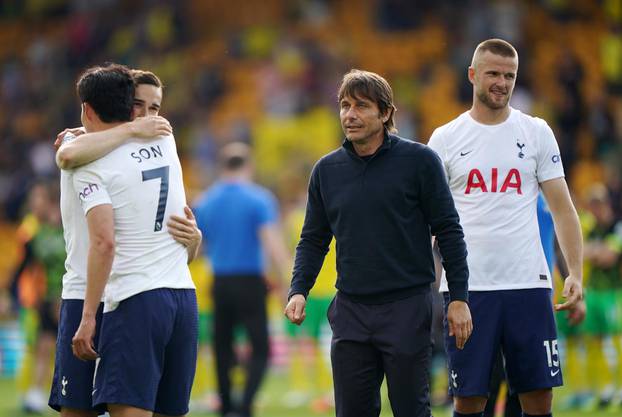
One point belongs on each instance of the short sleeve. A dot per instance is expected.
(549, 158)
(437, 145)
(268, 210)
(90, 188)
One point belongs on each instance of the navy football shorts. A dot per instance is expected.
(148, 352)
(521, 324)
(73, 378)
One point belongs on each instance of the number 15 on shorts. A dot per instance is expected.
(552, 355)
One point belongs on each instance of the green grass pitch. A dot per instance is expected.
(269, 406)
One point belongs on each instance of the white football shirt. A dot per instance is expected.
(143, 182)
(76, 235)
(494, 173)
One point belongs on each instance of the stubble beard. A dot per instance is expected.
(485, 99)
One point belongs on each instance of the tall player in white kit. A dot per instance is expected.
(148, 340)
(496, 160)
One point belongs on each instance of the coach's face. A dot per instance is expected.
(147, 100)
(360, 119)
(493, 78)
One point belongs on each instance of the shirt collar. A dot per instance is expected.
(387, 142)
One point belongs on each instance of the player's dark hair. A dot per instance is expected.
(358, 83)
(146, 77)
(235, 156)
(497, 47)
(235, 162)
(109, 90)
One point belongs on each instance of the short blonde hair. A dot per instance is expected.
(495, 46)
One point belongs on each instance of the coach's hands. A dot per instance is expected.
(82, 342)
(150, 126)
(459, 321)
(295, 309)
(573, 293)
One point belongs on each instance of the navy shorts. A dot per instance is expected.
(521, 324)
(73, 378)
(148, 352)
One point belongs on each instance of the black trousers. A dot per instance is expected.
(373, 341)
(240, 300)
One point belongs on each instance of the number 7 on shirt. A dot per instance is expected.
(161, 173)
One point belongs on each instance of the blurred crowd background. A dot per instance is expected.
(266, 73)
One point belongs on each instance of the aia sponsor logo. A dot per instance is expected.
(476, 181)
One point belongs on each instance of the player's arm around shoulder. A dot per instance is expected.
(568, 231)
(87, 147)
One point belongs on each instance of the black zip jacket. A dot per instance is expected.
(382, 212)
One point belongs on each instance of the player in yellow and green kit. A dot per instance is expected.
(603, 251)
(46, 248)
(204, 397)
(309, 369)
(570, 328)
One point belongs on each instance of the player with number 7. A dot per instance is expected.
(123, 202)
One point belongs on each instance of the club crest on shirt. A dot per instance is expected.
(520, 149)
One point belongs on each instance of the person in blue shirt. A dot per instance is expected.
(240, 224)
(547, 232)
